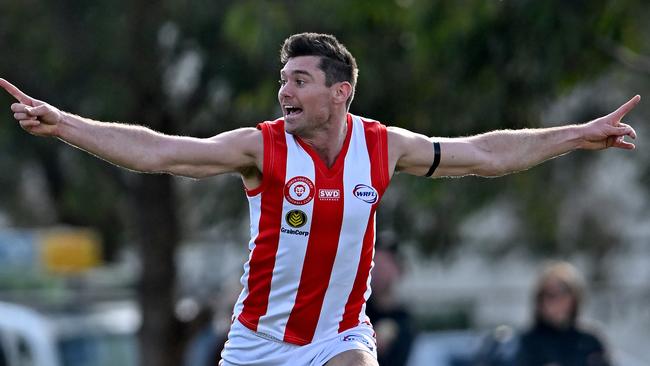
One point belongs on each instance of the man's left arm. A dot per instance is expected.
(502, 152)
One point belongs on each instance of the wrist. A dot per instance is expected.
(577, 136)
(63, 125)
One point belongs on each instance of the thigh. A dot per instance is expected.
(353, 357)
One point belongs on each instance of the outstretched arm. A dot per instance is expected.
(139, 148)
(501, 152)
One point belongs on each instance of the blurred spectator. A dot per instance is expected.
(205, 342)
(208, 329)
(3, 358)
(391, 320)
(556, 338)
(499, 348)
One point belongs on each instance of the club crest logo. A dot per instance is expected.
(365, 193)
(299, 190)
(296, 218)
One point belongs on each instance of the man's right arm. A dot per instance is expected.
(142, 149)
(139, 148)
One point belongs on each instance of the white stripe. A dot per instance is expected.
(355, 220)
(255, 209)
(292, 248)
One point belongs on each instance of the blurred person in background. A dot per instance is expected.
(391, 319)
(557, 338)
(205, 342)
(314, 179)
(3, 357)
(208, 330)
(498, 348)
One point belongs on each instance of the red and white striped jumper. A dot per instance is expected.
(313, 234)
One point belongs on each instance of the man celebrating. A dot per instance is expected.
(314, 179)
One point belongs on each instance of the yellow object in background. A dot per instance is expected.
(70, 251)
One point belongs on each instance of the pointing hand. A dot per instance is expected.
(609, 131)
(34, 116)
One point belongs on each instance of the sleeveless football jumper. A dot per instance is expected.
(312, 234)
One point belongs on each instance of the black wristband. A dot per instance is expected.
(436, 159)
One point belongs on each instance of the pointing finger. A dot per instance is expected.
(16, 93)
(625, 108)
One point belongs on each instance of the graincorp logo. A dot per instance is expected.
(296, 218)
(365, 193)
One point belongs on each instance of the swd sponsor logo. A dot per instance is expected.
(329, 194)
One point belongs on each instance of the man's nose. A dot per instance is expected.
(285, 91)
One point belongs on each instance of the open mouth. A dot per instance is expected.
(292, 111)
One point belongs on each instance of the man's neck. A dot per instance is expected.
(328, 141)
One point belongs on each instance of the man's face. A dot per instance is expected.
(305, 99)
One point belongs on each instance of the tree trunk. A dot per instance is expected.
(161, 341)
(160, 334)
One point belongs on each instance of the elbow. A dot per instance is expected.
(183, 170)
(491, 162)
(487, 164)
(492, 167)
(136, 165)
(151, 164)
(495, 170)
(489, 172)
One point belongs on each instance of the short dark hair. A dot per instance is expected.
(336, 61)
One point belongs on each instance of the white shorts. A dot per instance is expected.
(245, 347)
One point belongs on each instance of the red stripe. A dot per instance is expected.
(327, 219)
(262, 259)
(376, 141)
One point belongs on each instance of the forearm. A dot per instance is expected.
(501, 152)
(509, 151)
(129, 146)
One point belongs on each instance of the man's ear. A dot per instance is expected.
(342, 91)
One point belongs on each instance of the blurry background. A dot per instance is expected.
(113, 267)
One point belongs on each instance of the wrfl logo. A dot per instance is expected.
(365, 193)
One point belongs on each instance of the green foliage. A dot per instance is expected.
(437, 67)
(444, 68)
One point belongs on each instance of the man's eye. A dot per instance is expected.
(300, 82)
(282, 82)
